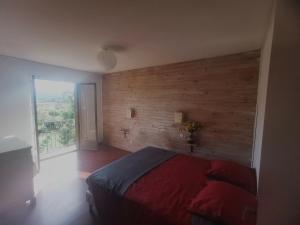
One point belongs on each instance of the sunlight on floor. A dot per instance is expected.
(57, 171)
(59, 151)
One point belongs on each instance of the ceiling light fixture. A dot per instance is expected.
(107, 59)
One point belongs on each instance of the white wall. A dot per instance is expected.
(16, 110)
(279, 180)
(262, 94)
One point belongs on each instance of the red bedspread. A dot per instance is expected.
(167, 190)
(160, 197)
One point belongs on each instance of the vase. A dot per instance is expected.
(191, 141)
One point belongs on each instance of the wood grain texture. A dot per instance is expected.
(219, 92)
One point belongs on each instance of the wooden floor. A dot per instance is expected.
(61, 187)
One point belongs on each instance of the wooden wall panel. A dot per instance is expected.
(219, 92)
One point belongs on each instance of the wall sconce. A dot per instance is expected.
(130, 113)
(178, 117)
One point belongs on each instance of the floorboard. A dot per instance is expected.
(60, 188)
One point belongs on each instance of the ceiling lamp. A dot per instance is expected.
(107, 59)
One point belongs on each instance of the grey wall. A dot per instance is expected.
(279, 185)
(16, 110)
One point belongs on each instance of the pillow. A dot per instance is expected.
(233, 173)
(225, 203)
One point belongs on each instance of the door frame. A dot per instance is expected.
(36, 132)
(77, 111)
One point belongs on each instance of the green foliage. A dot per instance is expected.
(68, 115)
(53, 113)
(65, 136)
(56, 122)
(190, 126)
(45, 143)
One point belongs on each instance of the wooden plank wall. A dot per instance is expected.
(219, 92)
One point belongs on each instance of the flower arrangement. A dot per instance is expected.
(191, 127)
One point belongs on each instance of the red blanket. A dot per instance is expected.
(168, 189)
(161, 197)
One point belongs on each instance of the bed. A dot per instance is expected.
(150, 187)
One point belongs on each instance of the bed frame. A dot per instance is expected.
(91, 202)
(196, 220)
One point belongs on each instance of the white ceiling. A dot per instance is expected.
(70, 33)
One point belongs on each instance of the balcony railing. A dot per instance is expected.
(56, 136)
